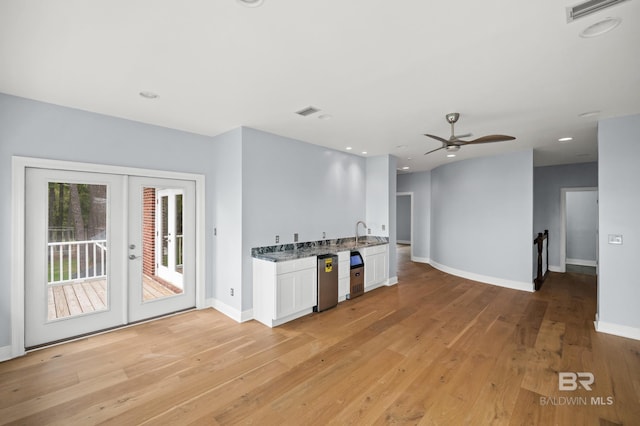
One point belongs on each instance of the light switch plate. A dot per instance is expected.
(615, 239)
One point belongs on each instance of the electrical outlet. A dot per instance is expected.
(295, 237)
(324, 235)
(383, 226)
(231, 291)
(615, 239)
(369, 231)
(277, 239)
(215, 232)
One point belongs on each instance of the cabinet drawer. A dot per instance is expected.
(375, 249)
(295, 265)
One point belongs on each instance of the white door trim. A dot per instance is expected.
(413, 240)
(563, 222)
(18, 170)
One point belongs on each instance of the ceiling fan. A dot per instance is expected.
(454, 143)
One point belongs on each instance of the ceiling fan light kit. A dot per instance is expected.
(454, 142)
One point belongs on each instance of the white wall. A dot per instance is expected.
(619, 194)
(582, 225)
(420, 185)
(403, 213)
(482, 218)
(548, 182)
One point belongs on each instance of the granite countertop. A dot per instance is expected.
(282, 253)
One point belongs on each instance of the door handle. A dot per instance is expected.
(133, 257)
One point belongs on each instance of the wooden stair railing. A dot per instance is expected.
(540, 276)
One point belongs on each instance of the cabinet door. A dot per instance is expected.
(375, 269)
(369, 271)
(380, 267)
(295, 292)
(285, 295)
(305, 289)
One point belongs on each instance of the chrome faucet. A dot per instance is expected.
(365, 227)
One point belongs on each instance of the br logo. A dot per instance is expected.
(569, 381)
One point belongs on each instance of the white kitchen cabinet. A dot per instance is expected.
(376, 266)
(344, 277)
(283, 291)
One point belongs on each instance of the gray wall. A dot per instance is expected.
(582, 224)
(257, 185)
(420, 185)
(482, 215)
(35, 129)
(619, 177)
(403, 212)
(547, 204)
(293, 187)
(227, 219)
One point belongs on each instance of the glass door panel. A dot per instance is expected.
(73, 234)
(161, 271)
(77, 281)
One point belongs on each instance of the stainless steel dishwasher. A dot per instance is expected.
(327, 282)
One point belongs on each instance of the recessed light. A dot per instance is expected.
(567, 139)
(325, 117)
(250, 3)
(450, 155)
(600, 27)
(364, 152)
(348, 148)
(148, 95)
(405, 168)
(588, 114)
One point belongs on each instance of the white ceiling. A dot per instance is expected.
(386, 71)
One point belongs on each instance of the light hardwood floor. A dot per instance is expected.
(434, 349)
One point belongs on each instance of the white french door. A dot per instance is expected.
(169, 244)
(161, 246)
(90, 242)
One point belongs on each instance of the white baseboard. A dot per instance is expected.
(420, 259)
(5, 353)
(374, 286)
(554, 268)
(581, 262)
(392, 281)
(617, 329)
(501, 282)
(403, 242)
(233, 313)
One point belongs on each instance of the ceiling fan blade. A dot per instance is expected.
(434, 150)
(438, 138)
(490, 138)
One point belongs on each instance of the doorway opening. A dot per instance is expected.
(404, 220)
(579, 233)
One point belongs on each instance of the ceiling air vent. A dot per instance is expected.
(307, 111)
(588, 7)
